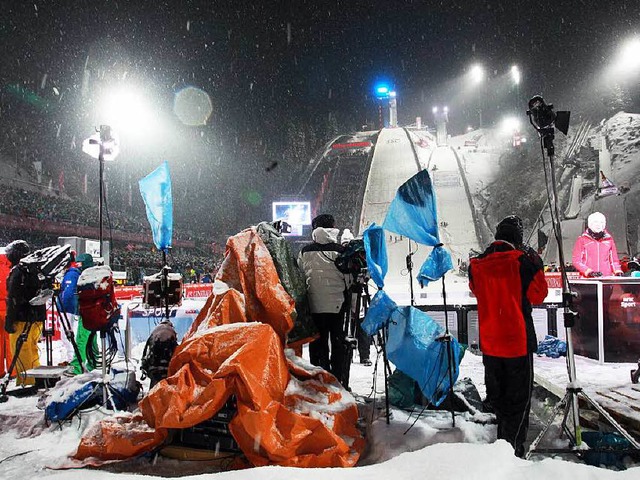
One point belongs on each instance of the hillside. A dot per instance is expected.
(519, 184)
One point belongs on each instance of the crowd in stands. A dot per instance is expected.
(58, 208)
(137, 259)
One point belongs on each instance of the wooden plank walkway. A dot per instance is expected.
(609, 385)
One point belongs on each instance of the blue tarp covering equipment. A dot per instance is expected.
(416, 344)
(376, 250)
(155, 189)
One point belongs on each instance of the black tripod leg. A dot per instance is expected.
(22, 338)
(387, 372)
(68, 331)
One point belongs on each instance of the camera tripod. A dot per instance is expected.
(570, 401)
(41, 299)
(353, 330)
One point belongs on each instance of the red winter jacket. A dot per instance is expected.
(507, 281)
(591, 255)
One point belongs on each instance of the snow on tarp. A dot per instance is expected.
(96, 276)
(289, 413)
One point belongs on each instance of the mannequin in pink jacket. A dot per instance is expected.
(595, 253)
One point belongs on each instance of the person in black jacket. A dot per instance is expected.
(22, 286)
(507, 279)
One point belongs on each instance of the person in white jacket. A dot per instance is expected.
(326, 286)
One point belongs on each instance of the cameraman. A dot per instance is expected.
(22, 287)
(507, 278)
(326, 286)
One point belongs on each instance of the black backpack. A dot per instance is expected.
(353, 258)
(158, 352)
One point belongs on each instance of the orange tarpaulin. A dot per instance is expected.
(290, 413)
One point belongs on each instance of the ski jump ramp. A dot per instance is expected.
(394, 162)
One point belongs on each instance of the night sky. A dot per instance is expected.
(266, 63)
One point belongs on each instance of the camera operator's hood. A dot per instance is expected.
(325, 235)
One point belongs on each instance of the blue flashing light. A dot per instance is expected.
(382, 90)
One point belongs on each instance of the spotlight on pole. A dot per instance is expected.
(515, 74)
(477, 73)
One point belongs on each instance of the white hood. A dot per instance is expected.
(325, 235)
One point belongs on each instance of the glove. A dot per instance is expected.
(594, 274)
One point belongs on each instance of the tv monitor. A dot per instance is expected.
(294, 213)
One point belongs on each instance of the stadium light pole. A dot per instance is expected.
(516, 76)
(477, 78)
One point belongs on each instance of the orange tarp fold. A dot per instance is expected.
(120, 437)
(290, 413)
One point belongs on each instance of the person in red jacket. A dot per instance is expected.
(507, 279)
(595, 253)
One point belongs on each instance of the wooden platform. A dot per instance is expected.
(607, 384)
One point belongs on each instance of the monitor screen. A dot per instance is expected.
(294, 213)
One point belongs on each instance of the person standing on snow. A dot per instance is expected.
(22, 287)
(326, 286)
(507, 279)
(595, 253)
(69, 302)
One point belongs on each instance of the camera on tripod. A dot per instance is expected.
(353, 260)
(42, 267)
(163, 289)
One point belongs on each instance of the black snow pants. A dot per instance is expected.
(331, 328)
(509, 383)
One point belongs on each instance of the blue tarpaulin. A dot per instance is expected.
(376, 250)
(414, 345)
(414, 341)
(413, 214)
(156, 193)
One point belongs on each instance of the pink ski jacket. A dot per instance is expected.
(591, 255)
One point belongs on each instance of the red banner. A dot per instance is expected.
(337, 146)
(190, 290)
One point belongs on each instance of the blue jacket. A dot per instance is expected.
(68, 293)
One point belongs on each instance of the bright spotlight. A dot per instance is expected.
(446, 109)
(510, 125)
(477, 73)
(515, 74)
(434, 110)
(629, 58)
(125, 110)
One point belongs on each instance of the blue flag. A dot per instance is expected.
(155, 189)
(413, 213)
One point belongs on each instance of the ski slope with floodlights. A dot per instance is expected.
(395, 160)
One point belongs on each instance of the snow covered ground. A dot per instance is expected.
(468, 451)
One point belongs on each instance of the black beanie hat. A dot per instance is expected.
(16, 251)
(325, 221)
(510, 230)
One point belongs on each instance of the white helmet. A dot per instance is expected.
(596, 222)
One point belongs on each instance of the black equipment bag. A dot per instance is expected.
(158, 352)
